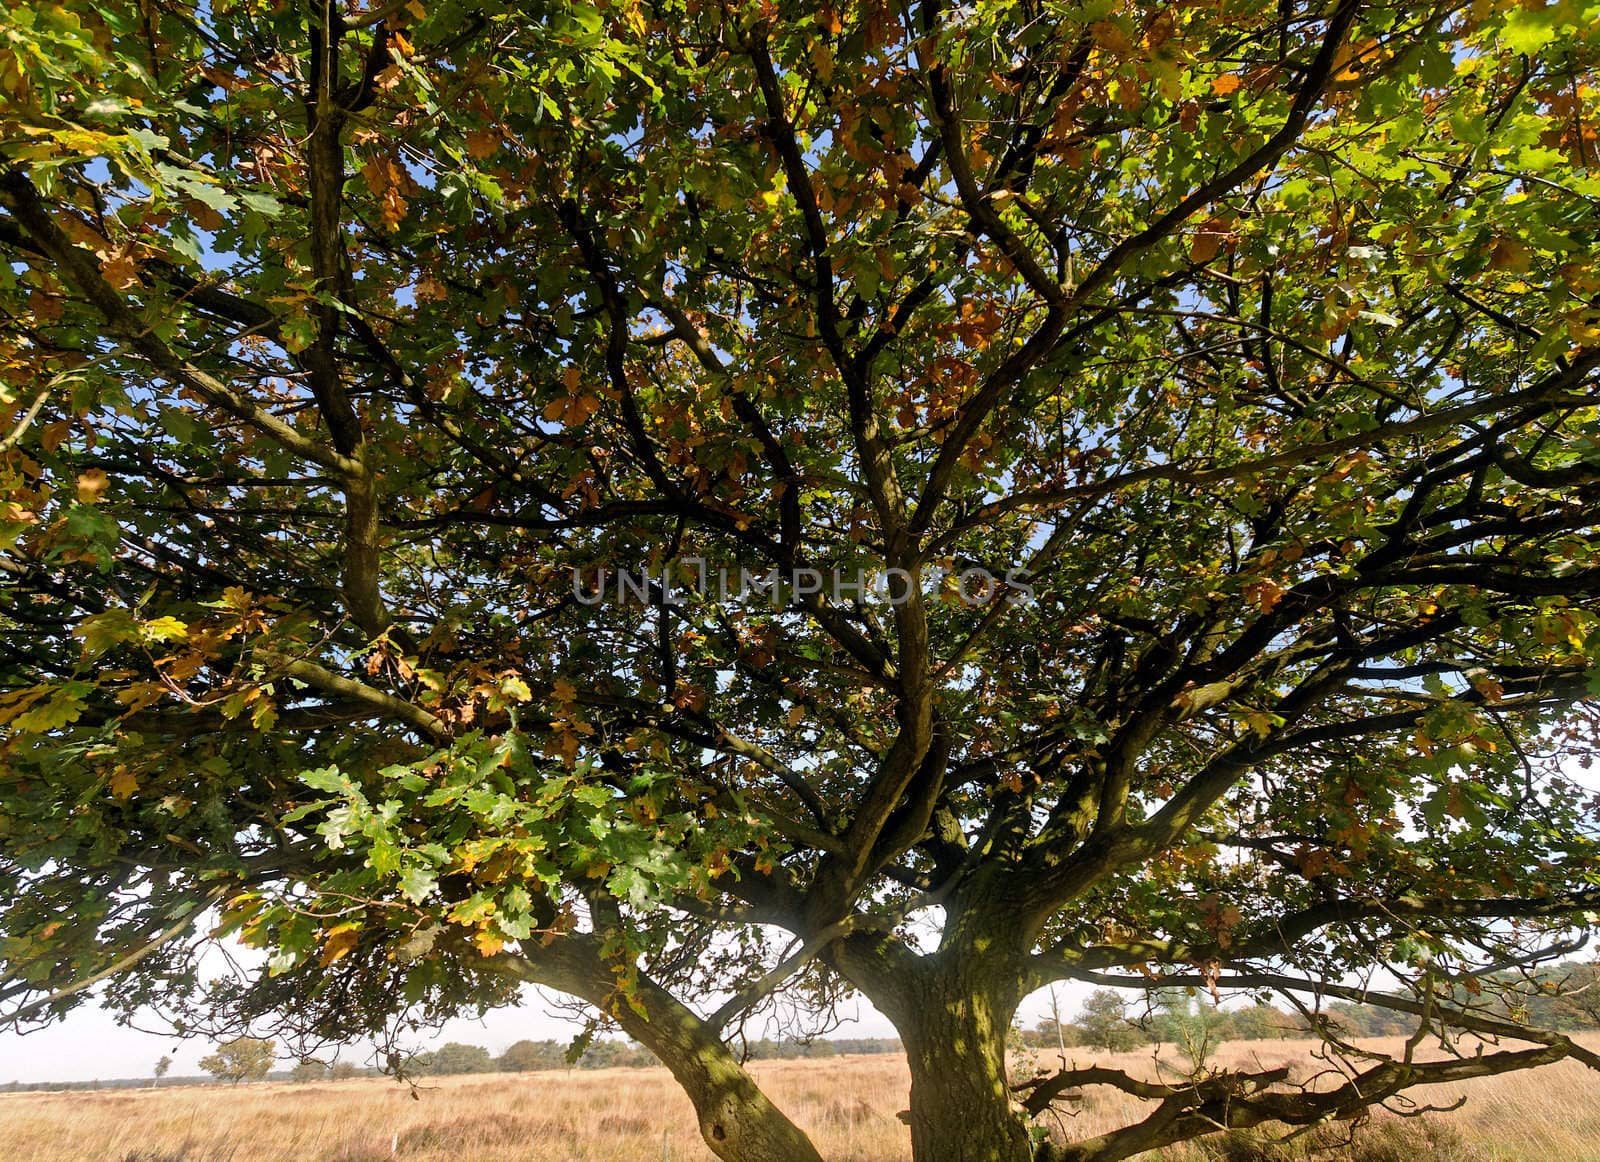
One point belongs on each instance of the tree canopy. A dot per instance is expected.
(349, 349)
(241, 1059)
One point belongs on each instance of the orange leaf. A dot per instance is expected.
(1208, 241)
(340, 942)
(1223, 86)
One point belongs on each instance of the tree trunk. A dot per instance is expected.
(737, 1120)
(954, 1030)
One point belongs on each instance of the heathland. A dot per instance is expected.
(848, 1104)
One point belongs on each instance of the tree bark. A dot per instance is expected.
(955, 1039)
(952, 1010)
(738, 1122)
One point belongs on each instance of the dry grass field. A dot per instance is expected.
(638, 1115)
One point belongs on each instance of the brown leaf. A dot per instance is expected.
(482, 142)
(118, 267)
(1208, 242)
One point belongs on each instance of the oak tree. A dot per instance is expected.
(350, 348)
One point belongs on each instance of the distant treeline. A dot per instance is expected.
(112, 1083)
(821, 1047)
(521, 1057)
(304, 1071)
(529, 1056)
(1564, 998)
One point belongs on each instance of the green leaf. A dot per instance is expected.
(417, 883)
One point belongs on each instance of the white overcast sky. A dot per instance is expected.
(90, 1045)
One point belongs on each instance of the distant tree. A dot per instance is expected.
(309, 1069)
(1104, 1020)
(454, 1057)
(527, 1056)
(164, 1064)
(1577, 998)
(1051, 1034)
(344, 1070)
(1566, 996)
(1187, 1022)
(242, 1059)
(1358, 1020)
(612, 1054)
(846, 1045)
(1258, 1023)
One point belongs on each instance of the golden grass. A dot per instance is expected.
(848, 1104)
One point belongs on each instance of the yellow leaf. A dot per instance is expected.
(1582, 330)
(139, 695)
(488, 942)
(341, 941)
(1259, 721)
(564, 691)
(91, 484)
(164, 629)
(124, 783)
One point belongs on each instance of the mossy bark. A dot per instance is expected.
(738, 1122)
(961, 1105)
(952, 1009)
